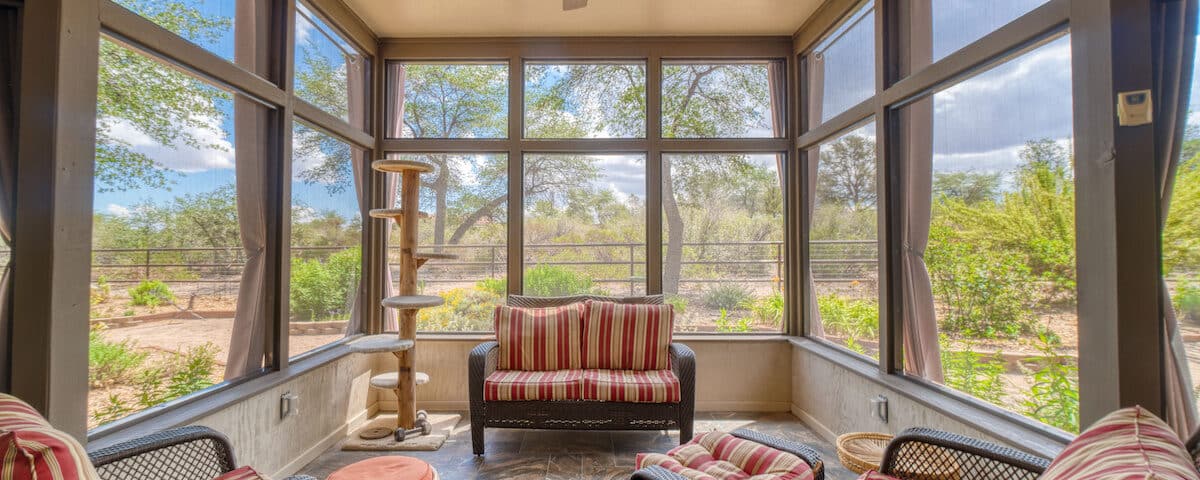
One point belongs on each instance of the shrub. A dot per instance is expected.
(1187, 300)
(324, 290)
(725, 296)
(983, 294)
(176, 375)
(494, 286)
(111, 362)
(768, 310)
(1054, 397)
(464, 310)
(151, 293)
(854, 318)
(554, 281)
(678, 301)
(973, 373)
(100, 292)
(114, 407)
(727, 325)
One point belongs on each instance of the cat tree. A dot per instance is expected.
(409, 421)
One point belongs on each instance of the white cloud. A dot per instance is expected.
(215, 153)
(118, 210)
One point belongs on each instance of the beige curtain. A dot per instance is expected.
(10, 53)
(356, 97)
(816, 90)
(922, 354)
(252, 152)
(777, 86)
(1174, 48)
(395, 121)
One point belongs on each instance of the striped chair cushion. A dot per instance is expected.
(508, 385)
(722, 456)
(542, 302)
(873, 475)
(620, 336)
(244, 473)
(639, 386)
(539, 339)
(1128, 444)
(31, 449)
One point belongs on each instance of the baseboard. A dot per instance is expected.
(325, 444)
(814, 424)
(742, 406)
(442, 406)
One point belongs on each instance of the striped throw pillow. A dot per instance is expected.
(720, 455)
(31, 449)
(539, 339)
(1128, 444)
(620, 336)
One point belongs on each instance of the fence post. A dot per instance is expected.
(778, 265)
(147, 263)
(631, 270)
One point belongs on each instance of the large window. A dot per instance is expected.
(722, 100)
(841, 69)
(723, 252)
(957, 23)
(585, 224)
(1181, 239)
(210, 24)
(585, 100)
(443, 100)
(330, 72)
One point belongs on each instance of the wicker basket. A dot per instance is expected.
(860, 452)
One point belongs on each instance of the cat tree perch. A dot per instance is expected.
(409, 421)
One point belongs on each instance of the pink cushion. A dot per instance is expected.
(873, 475)
(722, 456)
(618, 336)
(31, 449)
(392, 467)
(244, 473)
(1128, 444)
(539, 339)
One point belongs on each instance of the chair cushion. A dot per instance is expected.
(507, 385)
(1130, 444)
(244, 473)
(32, 449)
(619, 336)
(640, 386)
(722, 456)
(539, 339)
(391, 467)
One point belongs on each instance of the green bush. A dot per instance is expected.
(767, 310)
(151, 293)
(554, 281)
(324, 290)
(464, 310)
(494, 286)
(725, 296)
(983, 294)
(853, 318)
(1054, 397)
(1187, 300)
(678, 301)
(161, 380)
(974, 374)
(111, 362)
(725, 324)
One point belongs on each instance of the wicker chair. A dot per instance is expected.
(185, 453)
(922, 453)
(805, 452)
(579, 415)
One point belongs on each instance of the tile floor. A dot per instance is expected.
(556, 454)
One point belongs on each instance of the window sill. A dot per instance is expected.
(188, 409)
(679, 337)
(1008, 427)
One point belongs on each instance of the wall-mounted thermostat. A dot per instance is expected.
(1135, 108)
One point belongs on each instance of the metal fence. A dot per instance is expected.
(218, 270)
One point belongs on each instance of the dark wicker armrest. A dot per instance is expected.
(805, 452)
(184, 453)
(655, 472)
(683, 365)
(928, 453)
(481, 363)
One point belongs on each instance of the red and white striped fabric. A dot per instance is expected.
(619, 336)
(873, 475)
(31, 449)
(640, 386)
(244, 473)
(508, 385)
(722, 456)
(1128, 444)
(539, 339)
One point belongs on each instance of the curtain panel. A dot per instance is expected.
(816, 91)
(10, 53)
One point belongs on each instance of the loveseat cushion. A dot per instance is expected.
(722, 456)
(510, 385)
(31, 449)
(638, 386)
(539, 339)
(619, 336)
(1130, 443)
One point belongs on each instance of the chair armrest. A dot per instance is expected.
(481, 363)
(683, 365)
(655, 472)
(184, 453)
(805, 452)
(928, 453)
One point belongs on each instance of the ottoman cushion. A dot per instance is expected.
(386, 468)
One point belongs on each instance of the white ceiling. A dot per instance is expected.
(454, 18)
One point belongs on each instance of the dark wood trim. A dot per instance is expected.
(654, 178)
(341, 17)
(824, 20)
(51, 254)
(334, 126)
(516, 175)
(584, 48)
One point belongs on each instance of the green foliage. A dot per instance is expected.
(846, 174)
(967, 187)
(193, 371)
(849, 317)
(114, 408)
(464, 310)
(100, 292)
(110, 362)
(494, 286)
(726, 296)
(679, 303)
(1054, 396)
(151, 293)
(725, 324)
(325, 290)
(1187, 299)
(1181, 231)
(767, 310)
(973, 373)
(983, 294)
(554, 281)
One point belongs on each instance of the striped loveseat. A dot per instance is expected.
(582, 363)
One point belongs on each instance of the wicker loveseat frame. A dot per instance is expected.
(185, 453)
(574, 414)
(805, 452)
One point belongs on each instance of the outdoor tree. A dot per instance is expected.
(847, 172)
(969, 187)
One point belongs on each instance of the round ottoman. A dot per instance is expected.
(386, 468)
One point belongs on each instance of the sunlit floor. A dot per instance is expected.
(551, 454)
